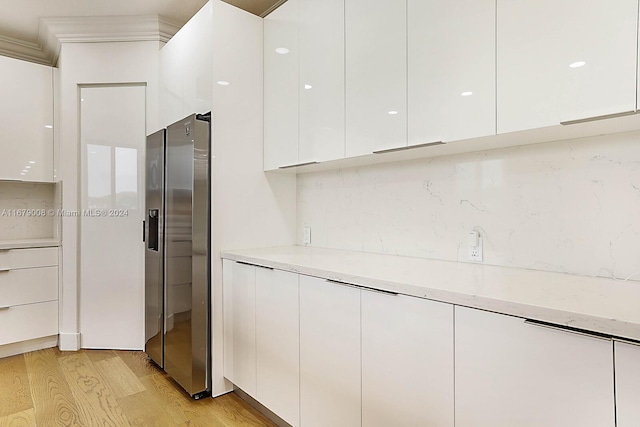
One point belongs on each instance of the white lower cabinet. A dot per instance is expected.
(28, 294)
(510, 373)
(407, 361)
(239, 290)
(278, 343)
(627, 358)
(329, 354)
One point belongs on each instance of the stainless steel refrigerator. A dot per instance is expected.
(177, 255)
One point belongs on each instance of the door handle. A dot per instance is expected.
(144, 231)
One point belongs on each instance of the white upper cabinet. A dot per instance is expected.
(509, 373)
(376, 75)
(627, 384)
(185, 69)
(26, 121)
(407, 361)
(321, 83)
(281, 86)
(452, 73)
(564, 61)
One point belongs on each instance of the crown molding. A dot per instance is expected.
(53, 32)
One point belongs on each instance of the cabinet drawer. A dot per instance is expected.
(13, 259)
(27, 322)
(27, 286)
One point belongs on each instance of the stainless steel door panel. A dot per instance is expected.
(187, 242)
(154, 247)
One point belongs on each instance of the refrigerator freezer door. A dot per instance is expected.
(154, 247)
(187, 247)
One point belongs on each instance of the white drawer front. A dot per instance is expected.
(13, 259)
(27, 322)
(29, 285)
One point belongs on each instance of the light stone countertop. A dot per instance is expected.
(29, 243)
(601, 305)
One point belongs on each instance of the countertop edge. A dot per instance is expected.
(588, 323)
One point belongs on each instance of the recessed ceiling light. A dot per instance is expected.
(577, 64)
(466, 93)
(22, 173)
(282, 50)
(223, 83)
(33, 162)
(48, 126)
(27, 167)
(25, 170)
(308, 87)
(392, 112)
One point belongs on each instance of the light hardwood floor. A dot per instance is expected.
(106, 388)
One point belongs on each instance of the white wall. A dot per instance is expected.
(567, 206)
(250, 208)
(91, 63)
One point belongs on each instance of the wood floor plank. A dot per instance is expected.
(138, 362)
(122, 381)
(21, 419)
(145, 409)
(207, 421)
(96, 403)
(15, 395)
(235, 412)
(176, 402)
(98, 355)
(53, 401)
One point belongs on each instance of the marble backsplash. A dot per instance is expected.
(31, 196)
(565, 206)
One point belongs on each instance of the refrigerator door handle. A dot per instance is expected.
(144, 231)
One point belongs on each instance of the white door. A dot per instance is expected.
(407, 361)
(627, 384)
(509, 373)
(452, 69)
(376, 75)
(330, 380)
(112, 131)
(278, 343)
(559, 61)
(239, 290)
(322, 110)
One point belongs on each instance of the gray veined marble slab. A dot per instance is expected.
(595, 304)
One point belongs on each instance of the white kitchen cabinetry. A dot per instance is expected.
(376, 75)
(26, 121)
(407, 361)
(28, 294)
(239, 290)
(185, 69)
(451, 69)
(329, 354)
(281, 86)
(510, 373)
(627, 358)
(278, 343)
(321, 82)
(564, 61)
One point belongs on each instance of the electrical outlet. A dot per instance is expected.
(306, 236)
(475, 252)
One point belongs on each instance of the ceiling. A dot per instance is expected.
(257, 7)
(20, 20)
(24, 22)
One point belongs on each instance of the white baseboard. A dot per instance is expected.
(69, 341)
(27, 346)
